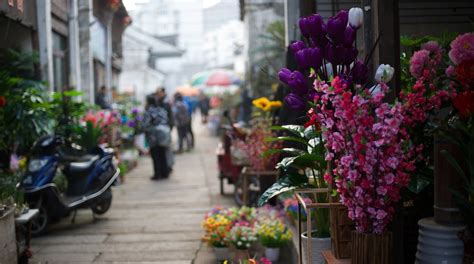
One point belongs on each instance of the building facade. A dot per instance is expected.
(60, 32)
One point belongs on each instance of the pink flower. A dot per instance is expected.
(462, 48)
(389, 178)
(381, 214)
(418, 61)
(431, 46)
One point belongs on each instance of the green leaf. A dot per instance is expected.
(72, 93)
(287, 138)
(290, 151)
(294, 129)
(286, 183)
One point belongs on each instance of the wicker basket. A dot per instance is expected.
(341, 231)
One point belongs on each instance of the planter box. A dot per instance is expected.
(341, 231)
(372, 248)
(8, 238)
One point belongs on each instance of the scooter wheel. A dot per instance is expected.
(103, 203)
(40, 222)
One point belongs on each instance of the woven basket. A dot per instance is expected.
(341, 231)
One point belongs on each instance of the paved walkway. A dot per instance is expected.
(150, 221)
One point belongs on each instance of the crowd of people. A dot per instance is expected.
(161, 116)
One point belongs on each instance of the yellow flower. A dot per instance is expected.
(262, 103)
(275, 104)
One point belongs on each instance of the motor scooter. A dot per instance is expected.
(89, 179)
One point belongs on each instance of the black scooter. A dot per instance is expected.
(89, 180)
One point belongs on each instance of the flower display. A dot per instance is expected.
(273, 233)
(242, 235)
(217, 225)
(328, 50)
(290, 206)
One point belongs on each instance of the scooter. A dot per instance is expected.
(89, 180)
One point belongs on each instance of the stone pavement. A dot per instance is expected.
(150, 221)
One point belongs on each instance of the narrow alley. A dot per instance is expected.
(150, 221)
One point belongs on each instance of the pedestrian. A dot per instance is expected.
(204, 107)
(158, 136)
(182, 119)
(191, 105)
(101, 98)
(161, 100)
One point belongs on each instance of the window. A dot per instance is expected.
(60, 63)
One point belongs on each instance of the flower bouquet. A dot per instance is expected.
(273, 235)
(242, 235)
(217, 225)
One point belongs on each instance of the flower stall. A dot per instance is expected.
(367, 144)
(246, 234)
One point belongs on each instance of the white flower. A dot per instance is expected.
(247, 245)
(356, 17)
(239, 243)
(384, 73)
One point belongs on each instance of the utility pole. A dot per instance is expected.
(109, 16)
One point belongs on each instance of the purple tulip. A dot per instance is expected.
(295, 101)
(337, 25)
(131, 123)
(298, 82)
(297, 46)
(349, 36)
(311, 26)
(295, 80)
(351, 55)
(360, 72)
(284, 75)
(310, 57)
(335, 54)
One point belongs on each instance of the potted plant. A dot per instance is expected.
(241, 236)
(217, 225)
(273, 234)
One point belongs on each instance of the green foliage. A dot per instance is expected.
(464, 166)
(302, 168)
(25, 116)
(88, 136)
(66, 111)
(8, 191)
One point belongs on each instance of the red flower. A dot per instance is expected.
(464, 103)
(313, 120)
(465, 74)
(3, 101)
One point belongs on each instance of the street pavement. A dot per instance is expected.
(149, 221)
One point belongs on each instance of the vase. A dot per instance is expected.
(272, 254)
(372, 248)
(8, 252)
(439, 244)
(241, 254)
(318, 245)
(221, 253)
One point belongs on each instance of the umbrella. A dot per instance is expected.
(218, 77)
(199, 78)
(187, 90)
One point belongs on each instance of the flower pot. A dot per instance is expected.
(221, 253)
(272, 254)
(8, 238)
(317, 246)
(372, 248)
(241, 254)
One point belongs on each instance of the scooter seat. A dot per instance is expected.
(85, 164)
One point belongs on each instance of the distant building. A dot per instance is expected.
(78, 41)
(179, 22)
(140, 74)
(215, 16)
(223, 46)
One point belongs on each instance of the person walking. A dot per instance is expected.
(158, 136)
(191, 105)
(204, 107)
(182, 119)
